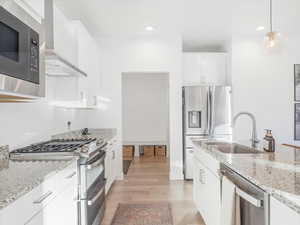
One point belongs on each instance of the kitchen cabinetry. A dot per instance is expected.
(204, 68)
(207, 193)
(52, 202)
(110, 164)
(197, 185)
(60, 211)
(281, 214)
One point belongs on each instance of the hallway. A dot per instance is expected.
(148, 181)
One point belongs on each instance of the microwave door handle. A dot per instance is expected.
(249, 198)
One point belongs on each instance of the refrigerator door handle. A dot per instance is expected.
(208, 111)
(212, 109)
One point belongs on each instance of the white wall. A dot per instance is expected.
(145, 53)
(263, 84)
(145, 108)
(27, 123)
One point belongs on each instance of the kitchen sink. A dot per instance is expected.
(233, 148)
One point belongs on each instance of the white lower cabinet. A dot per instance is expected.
(52, 202)
(207, 193)
(197, 186)
(281, 214)
(61, 210)
(110, 165)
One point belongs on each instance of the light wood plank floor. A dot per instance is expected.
(148, 181)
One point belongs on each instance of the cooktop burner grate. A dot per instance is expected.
(54, 146)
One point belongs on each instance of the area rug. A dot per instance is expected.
(126, 165)
(143, 214)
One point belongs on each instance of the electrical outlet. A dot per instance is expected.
(69, 125)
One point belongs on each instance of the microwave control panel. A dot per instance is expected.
(34, 55)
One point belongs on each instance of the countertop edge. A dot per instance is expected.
(11, 199)
(277, 194)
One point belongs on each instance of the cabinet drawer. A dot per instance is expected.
(207, 160)
(60, 180)
(34, 201)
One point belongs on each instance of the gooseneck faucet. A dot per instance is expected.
(254, 140)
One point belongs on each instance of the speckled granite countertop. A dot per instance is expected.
(277, 173)
(20, 177)
(106, 134)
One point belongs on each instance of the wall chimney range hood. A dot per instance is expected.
(56, 64)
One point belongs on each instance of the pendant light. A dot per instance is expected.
(271, 36)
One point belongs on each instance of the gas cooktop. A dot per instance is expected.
(57, 148)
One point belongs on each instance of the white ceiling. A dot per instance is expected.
(203, 23)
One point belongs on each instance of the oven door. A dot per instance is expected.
(90, 173)
(92, 208)
(19, 49)
(92, 191)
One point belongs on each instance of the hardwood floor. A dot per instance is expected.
(148, 181)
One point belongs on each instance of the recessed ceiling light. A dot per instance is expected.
(149, 28)
(260, 28)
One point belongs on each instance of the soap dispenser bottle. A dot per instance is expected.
(269, 142)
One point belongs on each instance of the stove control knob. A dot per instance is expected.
(85, 149)
(99, 142)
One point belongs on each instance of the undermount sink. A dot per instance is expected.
(233, 148)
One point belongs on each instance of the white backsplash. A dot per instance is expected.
(27, 123)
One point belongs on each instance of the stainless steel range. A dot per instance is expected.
(91, 170)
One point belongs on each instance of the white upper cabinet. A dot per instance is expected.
(205, 68)
(34, 7)
(65, 38)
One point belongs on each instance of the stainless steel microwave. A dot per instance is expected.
(20, 66)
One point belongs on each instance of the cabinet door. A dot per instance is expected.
(191, 69)
(108, 169)
(197, 186)
(281, 214)
(205, 68)
(210, 197)
(189, 163)
(61, 210)
(207, 193)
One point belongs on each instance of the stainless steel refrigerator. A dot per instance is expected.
(206, 115)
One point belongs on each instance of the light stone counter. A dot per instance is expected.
(17, 178)
(277, 173)
(20, 177)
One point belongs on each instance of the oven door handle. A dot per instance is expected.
(249, 198)
(95, 164)
(94, 199)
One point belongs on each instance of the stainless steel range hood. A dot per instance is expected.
(56, 64)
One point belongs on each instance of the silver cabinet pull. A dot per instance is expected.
(43, 197)
(249, 198)
(71, 175)
(93, 200)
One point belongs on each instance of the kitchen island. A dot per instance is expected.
(277, 173)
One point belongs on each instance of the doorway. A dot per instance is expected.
(145, 117)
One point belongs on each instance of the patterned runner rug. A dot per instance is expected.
(143, 214)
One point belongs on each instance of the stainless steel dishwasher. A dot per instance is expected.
(253, 201)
